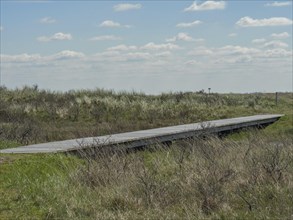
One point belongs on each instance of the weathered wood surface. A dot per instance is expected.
(150, 136)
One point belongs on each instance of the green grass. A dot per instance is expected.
(8, 144)
(247, 175)
(284, 125)
(30, 182)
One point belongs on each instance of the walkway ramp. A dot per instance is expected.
(147, 137)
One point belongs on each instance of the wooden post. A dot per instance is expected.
(276, 99)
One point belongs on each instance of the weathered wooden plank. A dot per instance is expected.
(150, 136)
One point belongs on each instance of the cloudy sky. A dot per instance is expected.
(148, 46)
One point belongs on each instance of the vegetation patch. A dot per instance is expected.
(243, 176)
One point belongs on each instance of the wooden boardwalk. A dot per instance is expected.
(150, 136)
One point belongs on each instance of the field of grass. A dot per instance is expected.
(243, 176)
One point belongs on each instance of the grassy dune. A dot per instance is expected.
(246, 175)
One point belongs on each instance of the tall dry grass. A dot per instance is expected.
(247, 178)
(199, 179)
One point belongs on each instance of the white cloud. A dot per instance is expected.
(109, 56)
(109, 23)
(1, 28)
(275, 44)
(118, 56)
(173, 39)
(275, 21)
(234, 59)
(207, 5)
(104, 37)
(228, 50)
(258, 41)
(106, 55)
(283, 35)
(163, 54)
(137, 56)
(236, 50)
(123, 47)
(278, 4)
(232, 35)
(113, 66)
(126, 7)
(109, 53)
(20, 58)
(66, 54)
(201, 51)
(153, 46)
(56, 37)
(27, 58)
(181, 36)
(186, 25)
(238, 54)
(61, 36)
(122, 53)
(47, 20)
(231, 54)
(112, 24)
(277, 53)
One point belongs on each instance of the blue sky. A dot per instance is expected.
(148, 46)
